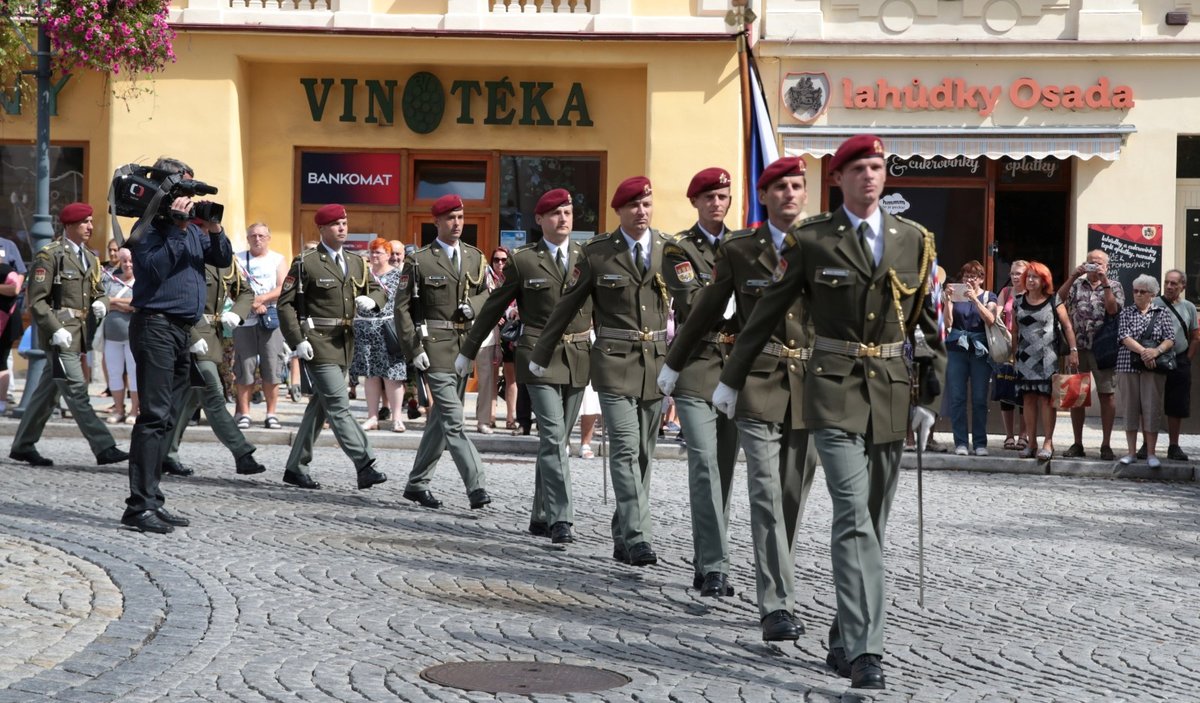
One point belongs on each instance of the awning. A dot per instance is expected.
(1083, 142)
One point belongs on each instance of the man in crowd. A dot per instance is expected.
(865, 273)
(258, 344)
(621, 273)
(321, 292)
(63, 288)
(535, 277)
(1090, 295)
(1177, 399)
(443, 286)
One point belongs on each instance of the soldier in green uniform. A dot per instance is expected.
(63, 287)
(865, 275)
(316, 312)
(712, 438)
(440, 290)
(621, 273)
(206, 352)
(535, 277)
(780, 462)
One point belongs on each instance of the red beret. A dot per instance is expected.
(858, 147)
(631, 189)
(445, 204)
(709, 179)
(329, 213)
(75, 212)
(552, 200)
(786, 166)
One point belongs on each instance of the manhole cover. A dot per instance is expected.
(524, 677)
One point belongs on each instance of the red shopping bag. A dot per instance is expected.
(1071, 390)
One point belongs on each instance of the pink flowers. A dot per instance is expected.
(107, 35)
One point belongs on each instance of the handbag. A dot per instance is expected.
(1104, 343)
(999, 342)
(1071, 390)
(269, 320)
(1165, 362)
(390, 339)
(511, 331)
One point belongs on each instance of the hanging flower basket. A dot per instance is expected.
(109, 36)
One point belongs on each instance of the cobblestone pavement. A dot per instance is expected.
(1037, 588)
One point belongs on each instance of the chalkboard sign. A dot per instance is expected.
(1132, 250)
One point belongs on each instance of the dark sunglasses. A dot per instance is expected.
(499, 258)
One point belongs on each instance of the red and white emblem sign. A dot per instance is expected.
(684, 272)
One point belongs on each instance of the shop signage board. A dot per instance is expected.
(350, 178)
(1132, 250)
(512, 238)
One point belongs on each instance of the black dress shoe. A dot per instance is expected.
(147, 521)
(300, 480)
(539, 529)
(619, 554)
(425, 498)
(414, 412)
(715, 585)
(112, 455)
(385, 414)
(246, 464)
(641, 554)
(170, 466)
(779, 626)
(479, 498)
(30, 456)
(866, 672)
(369, 476)
(836, 660)
(1174, 453)
(171, 518)
(560, 533)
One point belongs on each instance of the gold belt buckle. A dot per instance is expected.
(646, 336)
(869, 350)
(723, 338)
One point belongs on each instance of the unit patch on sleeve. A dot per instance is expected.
(575, 273)
(780, 270)
(39, 274)
(289, 282)
(684, 272)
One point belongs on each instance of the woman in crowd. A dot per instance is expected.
(1145, 333)
(967, 357)
(1004, 379)
(118, 355)
(488, 359)
(1040, 319)
(382, 371)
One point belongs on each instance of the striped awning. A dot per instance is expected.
(1083, 142)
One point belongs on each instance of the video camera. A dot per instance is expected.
(144, 191)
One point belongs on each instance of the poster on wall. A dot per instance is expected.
(350, 178)
(512, 238)
(1132, 250)
(360, 241)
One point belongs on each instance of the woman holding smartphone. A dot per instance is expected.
(971, 309)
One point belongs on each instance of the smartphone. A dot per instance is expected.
(958, 292)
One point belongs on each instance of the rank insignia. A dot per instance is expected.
(575, 274)
(39, 274)
(403, 284)
(780, 270)
(684, 272)
(289, 282)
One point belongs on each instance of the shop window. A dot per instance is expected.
(524, 178)
(1187, 158)
(467, 179)
(18, 191)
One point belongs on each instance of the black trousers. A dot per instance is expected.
(160, 351)
(525, 407)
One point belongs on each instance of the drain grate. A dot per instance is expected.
(524, 677)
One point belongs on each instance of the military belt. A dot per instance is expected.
(210, 318)
(719, 338)
(858, 349)
(329, 322)
(445, 325)
(631, 335)
(70, 313)
(583, 336)
(779, 350)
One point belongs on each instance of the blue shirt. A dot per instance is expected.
(168, 268)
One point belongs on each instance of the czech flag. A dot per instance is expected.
(761, 149)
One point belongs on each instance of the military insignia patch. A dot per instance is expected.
(289, 282)
(684, 272)
(780, 270)
(403, 284)
(39, 274)
(575, 273)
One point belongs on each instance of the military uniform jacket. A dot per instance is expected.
(850, 299)
(430, 291)
(536, 283)
(773, 384)
(58, 263)
(688, 269)
(315, 287)
(625, 300)
(220, 283)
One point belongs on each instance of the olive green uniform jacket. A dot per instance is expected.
(57, 260)
(431, 290)
(221, 283)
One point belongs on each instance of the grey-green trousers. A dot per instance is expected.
(712, 449)
(632, 428)
(45, 401)
(329, 400)
(557, 409)
(212, 395)
(445, 429)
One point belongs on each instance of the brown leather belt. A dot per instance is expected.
(329, 322)
(584, 336)
(631, 335)
(858, 349)
(776, 349)
(719, 338)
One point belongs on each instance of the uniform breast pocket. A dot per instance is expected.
(754, 287)
(536, 286)
(613, 290)
(835, 287)
(437, 290)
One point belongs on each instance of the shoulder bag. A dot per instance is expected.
(1104, 343)
(1164, 363)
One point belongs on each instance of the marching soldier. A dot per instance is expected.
(535, 277)
(864, 273)
(712, 438)
(442, 287)
(621, 273)
(63, 287)
(779, 461)
(206, 352)
(316, 312)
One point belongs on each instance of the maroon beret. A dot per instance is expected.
(709, 179)
(786, 166)
(329, 213)
(75, 212)
(552, 200)
(631, 189)
(862, 146)
(445, 204)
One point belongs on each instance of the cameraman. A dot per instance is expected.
(169, 254)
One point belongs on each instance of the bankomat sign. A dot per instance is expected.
(350, 178)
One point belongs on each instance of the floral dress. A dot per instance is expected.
(371, 357)
(1036, 359)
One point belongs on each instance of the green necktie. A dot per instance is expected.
(562, 262)
(863, 228)
(454, 258)
(637, 256)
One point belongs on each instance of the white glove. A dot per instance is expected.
(725, 400)
(364, 303)
(462, 365)
(421, 363)
(61, 339)
(536, 370)
(922, 423)
(230, 319)
(99, 309)
(730, 308)
(200, 347)
(467, 311)
(666, 379)
(304, 350)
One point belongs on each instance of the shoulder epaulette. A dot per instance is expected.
(596, 239)
(525, 247)
(739, 234)
(672, 248)
(920, 227)
(351, 251)
(306, 252)
(470, 246)
(819, 217)
(679, 235)
(427, 247)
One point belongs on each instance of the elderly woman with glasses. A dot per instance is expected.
(1145, 334)
(967, 361)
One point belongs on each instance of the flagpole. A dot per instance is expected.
(740, 18)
